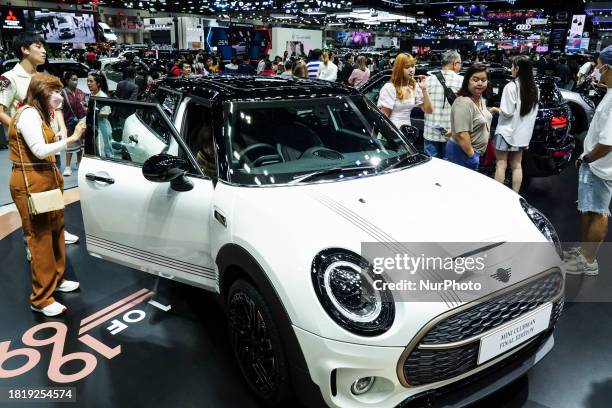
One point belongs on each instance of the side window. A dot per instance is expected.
(373, 93)
(169, 101)
(199, 137)
(131, 133)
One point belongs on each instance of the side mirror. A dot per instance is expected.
(411, 133)
(163, 168)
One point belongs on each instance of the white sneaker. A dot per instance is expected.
(67, 286)
(573, 252)
(54, 309)
(580, 266)
(70, 238)
(68, 171)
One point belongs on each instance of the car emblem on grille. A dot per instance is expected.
(502, 275)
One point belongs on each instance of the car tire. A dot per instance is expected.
(257, 344)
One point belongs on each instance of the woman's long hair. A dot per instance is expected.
(361, 62)
(41, 87)
(397, 75)
(474, 69)
(529, 89)
(100, 80)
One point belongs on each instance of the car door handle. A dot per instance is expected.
(93, 177)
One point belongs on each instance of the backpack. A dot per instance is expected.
(449, 95)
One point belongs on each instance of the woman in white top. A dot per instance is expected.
(517, 115)
(403, 93)
(33, 145)
(328, 70)
(96, 82)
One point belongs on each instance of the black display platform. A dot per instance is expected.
(182, 358)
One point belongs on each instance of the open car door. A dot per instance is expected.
(147, 225)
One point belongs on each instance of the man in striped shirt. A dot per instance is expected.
(314, 64)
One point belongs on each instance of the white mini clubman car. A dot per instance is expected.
(265, 191)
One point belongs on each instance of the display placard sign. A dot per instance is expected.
(12, 20)
(577, 27)
(296, 42)
(537, 21)
(558, 33)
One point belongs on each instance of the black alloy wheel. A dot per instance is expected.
(257, 344)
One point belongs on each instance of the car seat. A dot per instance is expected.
(296, 139)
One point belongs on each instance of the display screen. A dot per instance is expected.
(242, 42)
(354, 38)
(60, 27)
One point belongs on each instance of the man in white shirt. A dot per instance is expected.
(595, 180)
(585, 70)
(30, 49)
(262, 64)
(435, 140)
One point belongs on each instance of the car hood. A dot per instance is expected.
(436, 202)
(432, 202)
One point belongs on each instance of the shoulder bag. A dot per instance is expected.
(449, 95)
(45, 201)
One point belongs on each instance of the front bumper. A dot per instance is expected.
(442, 357)
(334, 366)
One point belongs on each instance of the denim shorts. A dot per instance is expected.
(594, 193)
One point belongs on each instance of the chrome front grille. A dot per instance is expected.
(449, 346)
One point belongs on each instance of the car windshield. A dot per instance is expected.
(299, 141)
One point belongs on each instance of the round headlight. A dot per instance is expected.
(347, 290)
(543, 224)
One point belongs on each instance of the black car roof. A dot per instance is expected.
(255, 88)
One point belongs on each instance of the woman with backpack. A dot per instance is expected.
(517, 114)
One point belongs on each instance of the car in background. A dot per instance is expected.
(58, 66)
(552, 144)
(106, 33)
(583, 101)
(114, 71)
(66, 30)
(320, 170)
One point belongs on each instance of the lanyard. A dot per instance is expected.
(482, 114)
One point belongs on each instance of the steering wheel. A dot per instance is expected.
(311, 152)
(262, 158)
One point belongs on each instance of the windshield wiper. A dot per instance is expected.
(410, 159)
(327, 172)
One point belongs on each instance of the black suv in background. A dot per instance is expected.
(552, 143)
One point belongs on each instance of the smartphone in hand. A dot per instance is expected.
(440, 129)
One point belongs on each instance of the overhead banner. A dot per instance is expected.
(574, 38)
(558, 33)
(577, 27)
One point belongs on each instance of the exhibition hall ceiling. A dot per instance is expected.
(319, 8)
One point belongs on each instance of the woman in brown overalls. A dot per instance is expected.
(32, 151)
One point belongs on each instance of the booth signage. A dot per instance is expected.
(505, 15)
(12, 19)
(537, 21)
